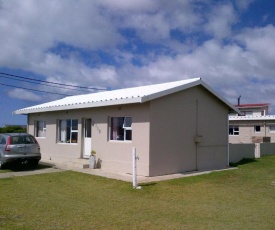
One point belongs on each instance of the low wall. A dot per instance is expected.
(267, 149)
(237, 152)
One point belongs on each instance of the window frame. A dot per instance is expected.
(64, 125)
(234, 131)
(126, 129)
(44, 128)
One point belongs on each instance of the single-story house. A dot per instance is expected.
(175, 127)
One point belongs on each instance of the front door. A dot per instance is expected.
(87, 144)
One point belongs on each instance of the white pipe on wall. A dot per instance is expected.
(134, 158)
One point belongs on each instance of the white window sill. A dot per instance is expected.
(117, 141)
(64, 143)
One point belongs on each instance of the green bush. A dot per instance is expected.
(13, 129)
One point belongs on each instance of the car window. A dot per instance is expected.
(2, 140)
(28, 140)
(15, 140)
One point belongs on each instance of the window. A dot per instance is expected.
(233, 130)
(272, 128)
(68, 131)
(121, 128)
(40, 128)
(257, 129)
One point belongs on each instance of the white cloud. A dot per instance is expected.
(23, 95)
(153, 20)
(243, 4)
(125, 5)
(29, 28)
(231, 69)
(233, 62)
(259, 44)
(220, 20)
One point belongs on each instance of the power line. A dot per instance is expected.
(41, 91)
(49, 82)
(41, 83)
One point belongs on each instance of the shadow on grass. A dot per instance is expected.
(147, 184)
(23, 167)
(243, 162)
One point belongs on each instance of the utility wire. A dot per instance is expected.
(41, 91)
(39, 83)
(54, 83)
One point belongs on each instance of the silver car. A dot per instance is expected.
(19, 147)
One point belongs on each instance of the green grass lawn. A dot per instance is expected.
(234, 199)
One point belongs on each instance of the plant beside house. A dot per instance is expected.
(92, 159)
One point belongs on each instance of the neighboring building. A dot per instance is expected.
(253, 109)
(254, 126)
(176, 127)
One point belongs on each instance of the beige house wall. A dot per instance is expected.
(181, 132)
(175, 122)
(113, 155)
(247, 131)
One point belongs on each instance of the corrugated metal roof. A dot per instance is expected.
(117, 97)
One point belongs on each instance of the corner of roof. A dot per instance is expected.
(183, 84)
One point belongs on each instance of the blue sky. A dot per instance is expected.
(116, 44)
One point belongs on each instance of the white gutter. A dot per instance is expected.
(251, 118)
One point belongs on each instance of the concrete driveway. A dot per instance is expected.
(30, 172)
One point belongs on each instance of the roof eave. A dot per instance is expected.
(80, 106)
